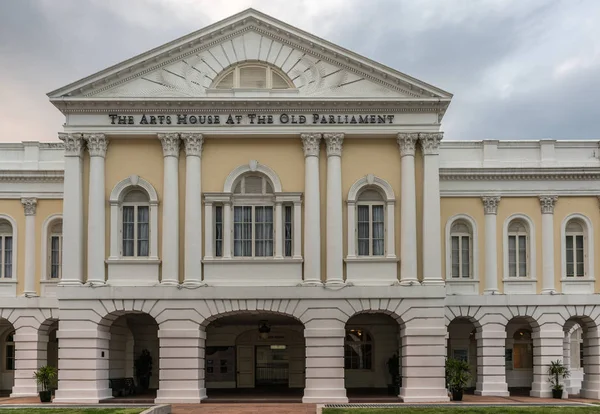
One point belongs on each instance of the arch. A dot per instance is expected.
(118, 192)
(48, 222)
(15, 244)
(371, 180)
(475, 243)
(226, 314)
(588, 231)
(252, 166)
(234, 70)
(530, 240)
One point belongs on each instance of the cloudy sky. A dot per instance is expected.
(518, 69)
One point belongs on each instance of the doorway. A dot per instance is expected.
(272, 365)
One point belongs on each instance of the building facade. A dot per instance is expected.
(256, 206)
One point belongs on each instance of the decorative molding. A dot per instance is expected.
(193, 144)
(30, 206)
(15, 246)
(475, 246)
(547, 203)
(430, 142)
(73, 144)
(46, 226)
(311, 144)
(118, 192)
(96, 144)
(490, 204)
(334, 144)
(531, 249)
(31, 176)
(519, 174)
(407, 142)
(170, 144)
(588, 232)
(371, 180)
(252, 166)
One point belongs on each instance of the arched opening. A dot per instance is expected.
(7, 355)
(252, 356)
(462, 345)
(133, 367)
(372, 357)
(52, 348)
(519, 352)
(578, 357)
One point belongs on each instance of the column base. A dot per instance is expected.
(419, 395)
(493, 390)
(311, 283)
(24, 392)
(491, 292)
(30, 294)
(180, 396)
(433, 282)
(70, 282)
(548, 292)
(409, 282)
(325, 396)
(335, 282)
(194, 283)
(95, 282)
(82, 396)
(541, 393)
(169, 282)
(593, 394)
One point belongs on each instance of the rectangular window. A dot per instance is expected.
(461, 256)
(575, 256)
(55, 256)
(455, 256)
(6, 248)
(128, 230)
(219, 231)
(378, 230)
(263, 231)
(253, 231)
(517, 256)
(143, 230)
(136, 231)
(371, 230)
(363, 230)
(287, 230)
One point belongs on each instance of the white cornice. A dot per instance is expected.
(37, 176)
(250, 20)
(519, 174)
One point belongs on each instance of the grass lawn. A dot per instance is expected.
(71, 410)
(463, 409)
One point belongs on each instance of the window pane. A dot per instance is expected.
(512, 256)
(253, 77)
(55, 257)
(455, 256)
(128, 230)
(218, 231)
(378, 230)
(278, 81)
(8, 257)
(466, 257)
(143, 231)
(263, 231)
(579, 255)
(242, 231)
(522, 256)
(363, 230)
(287, 231)
(226, 82)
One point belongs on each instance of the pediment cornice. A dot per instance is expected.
(249, 20)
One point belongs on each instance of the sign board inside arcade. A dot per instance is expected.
(186, 119)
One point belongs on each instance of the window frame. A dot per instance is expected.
(517, 235)
(8, 343)
(366, 334)
(60, 251)
(520, 284)
(135, 205)
(461, 236)
(370, 205)
(587, 234)
(3, 237)
(236, 70)
(253, 239)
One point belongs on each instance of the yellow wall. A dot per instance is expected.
(45, 209)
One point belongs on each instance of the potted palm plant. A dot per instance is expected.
(458, 374)
(393, 365)
(556, 371)
(45, 377)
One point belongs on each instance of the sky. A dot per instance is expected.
(518, 69)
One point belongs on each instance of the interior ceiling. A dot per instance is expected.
(254, 319)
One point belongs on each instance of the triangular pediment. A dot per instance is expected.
(187, 67)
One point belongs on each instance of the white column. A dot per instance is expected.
(567, 361)
(227, 233)
(312, 210)
(325, 362)
(96, 255)
(297, 230)
(547, 204)
(590, 386)
(72, 260)
(170, 223)
(491, 371)
(208, 231)
(547, 347)
(408, 210)
(181, 374)
(31, 346)
(278, 230)
(335, 235)
(431, 243)
(30, 206)
(193, 209)
(490, 206)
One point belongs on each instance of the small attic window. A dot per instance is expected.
(253, 76)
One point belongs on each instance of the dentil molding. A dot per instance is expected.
(73, 144)
(170, 144)
(490, 204)
(547, 204)
(30, 206)
(310, 144)
(96, 144)
(193, 144)
(407, 142)
(334, 144)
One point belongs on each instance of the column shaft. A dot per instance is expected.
(193, 209)
(30, 353)
(72, 260)
(490, 205)
(30, 206)
(432, 247)
(547, 204)
(590, 386)
(312, 210)
(408, 210)
(547, 347)
(491, 371)
(97, 145)
(335, 242)
(170, 224)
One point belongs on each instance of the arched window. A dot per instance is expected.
(55, 247)
(461, 255)
(370, 223)
(6, 249)
(135, 222)
(575, 250)
(253, 76)
(358, 349)
(518, 240)
(9, 352)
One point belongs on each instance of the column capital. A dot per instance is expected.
(407, 142)
(73, 144)
(170, 144)
(310, 144)
(490, 204)
(547, 203)
(193, 144)
(334, 144)
(430, 142)
(30, 206)
(96, 144)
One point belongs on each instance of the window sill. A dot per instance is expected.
(9, 281)
(462, 287)
(258, 260)
(133, 260)
(371, 259)
(575, 286)
(49, 281)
